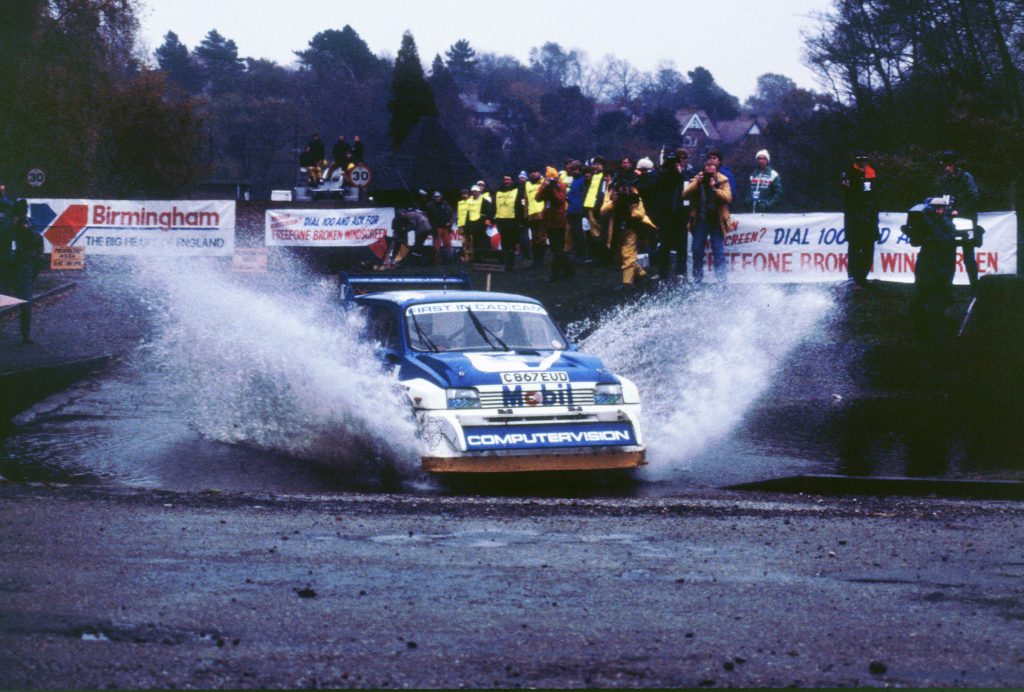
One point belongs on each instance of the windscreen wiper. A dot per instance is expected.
(423, 335)
(484, 331)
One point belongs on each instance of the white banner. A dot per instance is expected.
(802, 248)
(131, 227)
(328, 227)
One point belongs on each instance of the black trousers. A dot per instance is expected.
(860, 240)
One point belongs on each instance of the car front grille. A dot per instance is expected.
(583, 396)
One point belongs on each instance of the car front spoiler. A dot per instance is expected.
(519, 463)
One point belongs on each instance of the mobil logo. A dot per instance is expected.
(558, 394)
(60, 230)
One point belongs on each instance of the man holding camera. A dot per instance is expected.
(710, 195)
(628, 224)
(935, 267)
(962, 191)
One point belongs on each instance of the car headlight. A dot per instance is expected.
(463, 398)
(607, 394)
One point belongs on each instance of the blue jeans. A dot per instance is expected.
(701, 232)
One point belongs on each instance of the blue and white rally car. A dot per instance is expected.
(493, 383)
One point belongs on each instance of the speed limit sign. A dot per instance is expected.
(360, 175)
(36, 177)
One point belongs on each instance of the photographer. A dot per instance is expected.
(710, 195)
(935, 268)
(629, 223)
(959, 186)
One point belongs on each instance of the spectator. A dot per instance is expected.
(593, 199)
(5, 202)
(710, 195)
(461, 216)
(407, 220)
(626, 175)
(506, 208)
(310, 165)
(358, 151)
(715, 155)
(577, 239)
(765, 185)
(316, 146)
(934, 269)
(628, 222)
(860, 217)
(535, 220)
(21, 254)
(670, 216)
(478, 217)
(521, 223)
(552, 193)
(959, 185)
(439, 213)
(341, 153)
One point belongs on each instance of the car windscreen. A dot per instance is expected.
(481, 326)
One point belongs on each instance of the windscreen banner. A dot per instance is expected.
(328, 227)
(133, 227)
(805, 248)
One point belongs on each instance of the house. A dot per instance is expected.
(698, 132)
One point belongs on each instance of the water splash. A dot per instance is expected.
(701, 358)
(273, 362)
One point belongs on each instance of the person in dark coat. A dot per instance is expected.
(959, 186)
(671, 216)
(860, 217)
(934, 269)
(439, 213)
(21, 254)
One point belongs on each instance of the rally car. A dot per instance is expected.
(493, 383)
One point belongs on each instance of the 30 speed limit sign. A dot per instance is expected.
(360, 175)
(36, 177)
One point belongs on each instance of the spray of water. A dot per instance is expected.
(274, 362)
(701, 358)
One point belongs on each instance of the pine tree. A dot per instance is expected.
(461, 61)
(411, 96)
(176, 63)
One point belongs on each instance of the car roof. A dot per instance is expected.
(406, 298)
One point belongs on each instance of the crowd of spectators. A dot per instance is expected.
(646, 218)
(344, 155)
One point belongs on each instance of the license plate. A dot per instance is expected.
(534, 377)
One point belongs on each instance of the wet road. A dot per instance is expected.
(123, 588)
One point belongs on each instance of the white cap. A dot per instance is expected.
(764, 153)
(645, 164)
(475, 188)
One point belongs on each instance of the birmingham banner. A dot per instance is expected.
(131, 227)
(330, 228)
(802, 248)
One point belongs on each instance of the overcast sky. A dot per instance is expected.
(737, 41)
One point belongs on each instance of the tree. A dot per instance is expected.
(703, 92)
(176, 63)
(772, 90)
(666, 88)
(555, 66)
(461, 61)
(659, 127)
(218, 61)
(344, 50)
(411, 97)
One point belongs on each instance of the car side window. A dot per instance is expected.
(382, 326)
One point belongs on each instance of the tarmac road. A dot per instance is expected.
(107, 587)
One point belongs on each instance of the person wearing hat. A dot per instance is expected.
(535, 219)
(555, 221)
(934, 269)
(860, 217)
(478, 217)
(959, 186)
(765, 185)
